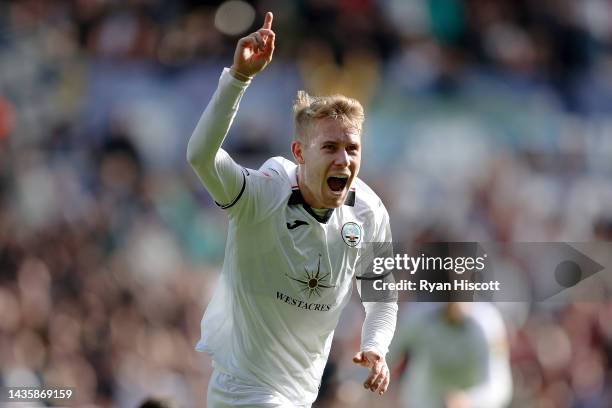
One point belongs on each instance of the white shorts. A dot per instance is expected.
(226, 391)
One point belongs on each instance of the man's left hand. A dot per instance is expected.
(379, 377)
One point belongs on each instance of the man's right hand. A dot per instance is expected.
(254, 51)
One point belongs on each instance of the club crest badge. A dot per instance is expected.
(351, 234)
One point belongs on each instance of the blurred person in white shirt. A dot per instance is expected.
(458, 356)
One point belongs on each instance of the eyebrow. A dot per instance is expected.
(337, 143)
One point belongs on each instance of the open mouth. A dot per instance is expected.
(337, 183)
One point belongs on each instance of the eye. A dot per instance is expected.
(352, 149)
(329, 147)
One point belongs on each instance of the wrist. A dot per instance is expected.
(239, 75)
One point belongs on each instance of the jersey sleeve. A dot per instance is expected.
(383, 227)
(246, 194)
(262, 192)
(381, 315)
(379, 244)
(220, 175)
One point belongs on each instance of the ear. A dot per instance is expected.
(297, 149)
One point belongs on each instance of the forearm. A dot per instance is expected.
(218, 172)
(378, 326)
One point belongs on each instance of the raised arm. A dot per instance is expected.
(221, 176)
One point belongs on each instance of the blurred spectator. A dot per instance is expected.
(458, 356)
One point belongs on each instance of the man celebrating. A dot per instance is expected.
(294, 243)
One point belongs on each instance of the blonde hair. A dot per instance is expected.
(307, 109)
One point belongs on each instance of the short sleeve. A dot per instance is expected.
(261, 195)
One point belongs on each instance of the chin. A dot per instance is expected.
(335, 202)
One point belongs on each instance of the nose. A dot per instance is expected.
(342, 159)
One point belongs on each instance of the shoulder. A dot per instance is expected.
(488, 318)
(265, 190)
(278, 168)
(368, 204)
(273, 180)
(420, 311)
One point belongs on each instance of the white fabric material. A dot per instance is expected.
(378, 326)
(221, 176)
(271, 320)
(472, 358)
(227, 391)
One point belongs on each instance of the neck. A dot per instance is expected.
(454, 314)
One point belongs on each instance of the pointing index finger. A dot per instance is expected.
(268, 21)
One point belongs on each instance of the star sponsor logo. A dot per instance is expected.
(313, 283)
(351, 234)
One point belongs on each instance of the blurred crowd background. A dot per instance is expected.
(487, 120)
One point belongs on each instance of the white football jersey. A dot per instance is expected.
(286, 277)
(471, 357)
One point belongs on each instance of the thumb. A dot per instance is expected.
(359, 358)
